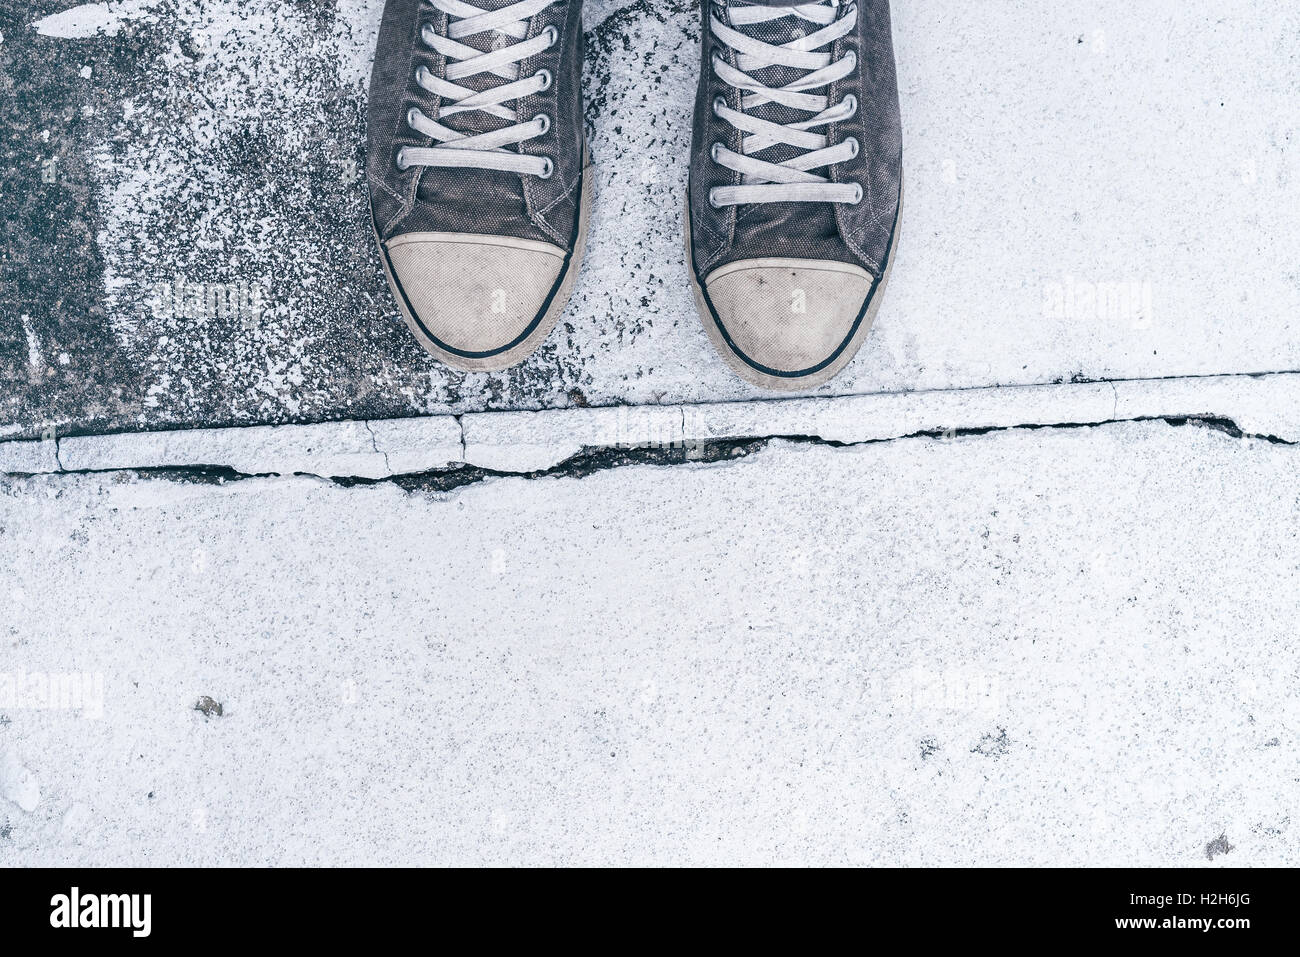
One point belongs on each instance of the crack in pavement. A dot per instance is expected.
(374, 443)
(460, 424)
(593, 459)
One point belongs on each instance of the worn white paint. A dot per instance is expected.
(93, 19)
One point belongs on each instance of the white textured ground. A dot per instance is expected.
(1065, 646)
(1023, 618)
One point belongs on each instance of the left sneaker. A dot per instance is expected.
(479, 191)
(795, 183)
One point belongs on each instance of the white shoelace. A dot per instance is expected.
(791, 181)
(483, 150)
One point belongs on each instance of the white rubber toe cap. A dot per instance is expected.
(789, 323)
(477, 302)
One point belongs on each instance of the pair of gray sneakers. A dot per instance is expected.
(480, 187)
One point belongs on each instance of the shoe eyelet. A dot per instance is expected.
(714, 150)
(853, 59)
(422, 76)
(719, 103)
(853, 110)
(401, 160)
(411, 114)
(713, 200)
(546, 78)
(553, 34)
(548, 169)
(857, 193)
(853, 140)
(545, 121)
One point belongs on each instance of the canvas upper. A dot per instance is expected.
(859, 234)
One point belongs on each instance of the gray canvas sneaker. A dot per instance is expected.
(795, 183)
(476, 168)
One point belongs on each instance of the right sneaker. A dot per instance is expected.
(795, 184)
(479, 191)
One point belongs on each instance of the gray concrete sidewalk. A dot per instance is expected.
(1019, 588)
(1058, 646)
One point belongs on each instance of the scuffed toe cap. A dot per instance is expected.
(477, 302)
(789, 323)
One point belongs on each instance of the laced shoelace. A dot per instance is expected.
(792, 180)
(483, 150)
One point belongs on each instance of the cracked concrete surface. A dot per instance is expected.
(593, 459)
(1262, 407)
(1023, 590)
(1032, 633)
(1050, 646)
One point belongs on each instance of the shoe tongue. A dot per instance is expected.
(464, 208)
(475, 121)
(777, 32)
(817, 220)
